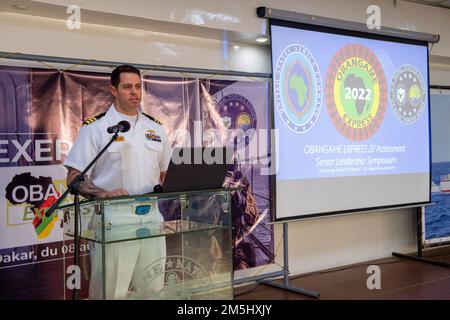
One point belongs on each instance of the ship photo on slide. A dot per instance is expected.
(443, 185)
(437, 216)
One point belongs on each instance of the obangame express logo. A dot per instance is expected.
(407, 94)
(38, 193)
(237, 113)
(355, 92)
(298, 88)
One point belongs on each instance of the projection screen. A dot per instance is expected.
(352, 113)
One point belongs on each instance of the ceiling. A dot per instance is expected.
(55, 9)
(48, 9)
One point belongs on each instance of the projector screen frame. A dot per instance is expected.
(345, 32)
(298, 17)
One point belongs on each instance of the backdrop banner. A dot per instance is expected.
(234, 113)
(42, 114)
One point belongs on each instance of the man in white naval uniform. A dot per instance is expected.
(133, 164)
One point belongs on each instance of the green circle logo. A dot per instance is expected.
(355, 92)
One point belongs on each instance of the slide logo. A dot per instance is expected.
(355, 92)
(237, 113)
(407, 94)
(298, 88)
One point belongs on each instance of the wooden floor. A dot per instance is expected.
(401, 279)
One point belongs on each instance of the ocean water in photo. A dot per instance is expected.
(437, 217)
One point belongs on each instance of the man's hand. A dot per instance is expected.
(114, 193)
(89, 190)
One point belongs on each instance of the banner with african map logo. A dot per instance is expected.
(42, 113)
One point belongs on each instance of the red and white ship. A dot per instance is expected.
(444, 184)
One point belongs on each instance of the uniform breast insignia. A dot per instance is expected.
(93, 119)
(153, 119)
(152, 136)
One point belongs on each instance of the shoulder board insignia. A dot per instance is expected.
(94, 118)
(153, 119)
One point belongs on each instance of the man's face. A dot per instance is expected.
(128, 93)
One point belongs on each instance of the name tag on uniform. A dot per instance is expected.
(120, 138)
(152, 136)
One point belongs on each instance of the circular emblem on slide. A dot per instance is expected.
(238, 116)
(407, 94)
(298, 88)
(356, 92)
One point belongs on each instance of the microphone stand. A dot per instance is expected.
(74, 188)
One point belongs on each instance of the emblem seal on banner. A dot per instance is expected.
(407, 94)
(237, 113)
(355, 92)
(298, 88)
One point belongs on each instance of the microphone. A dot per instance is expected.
(157, 189)
(122, 126)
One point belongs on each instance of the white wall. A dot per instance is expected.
(314, 244)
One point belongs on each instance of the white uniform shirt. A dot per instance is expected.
(133, 163)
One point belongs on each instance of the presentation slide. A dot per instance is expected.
(353, 120)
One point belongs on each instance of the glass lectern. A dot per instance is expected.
(154, 246)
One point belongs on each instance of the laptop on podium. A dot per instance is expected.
(197, 168)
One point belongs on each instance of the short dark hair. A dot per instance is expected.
(115, 75)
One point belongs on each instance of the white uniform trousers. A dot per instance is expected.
(134, 268)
